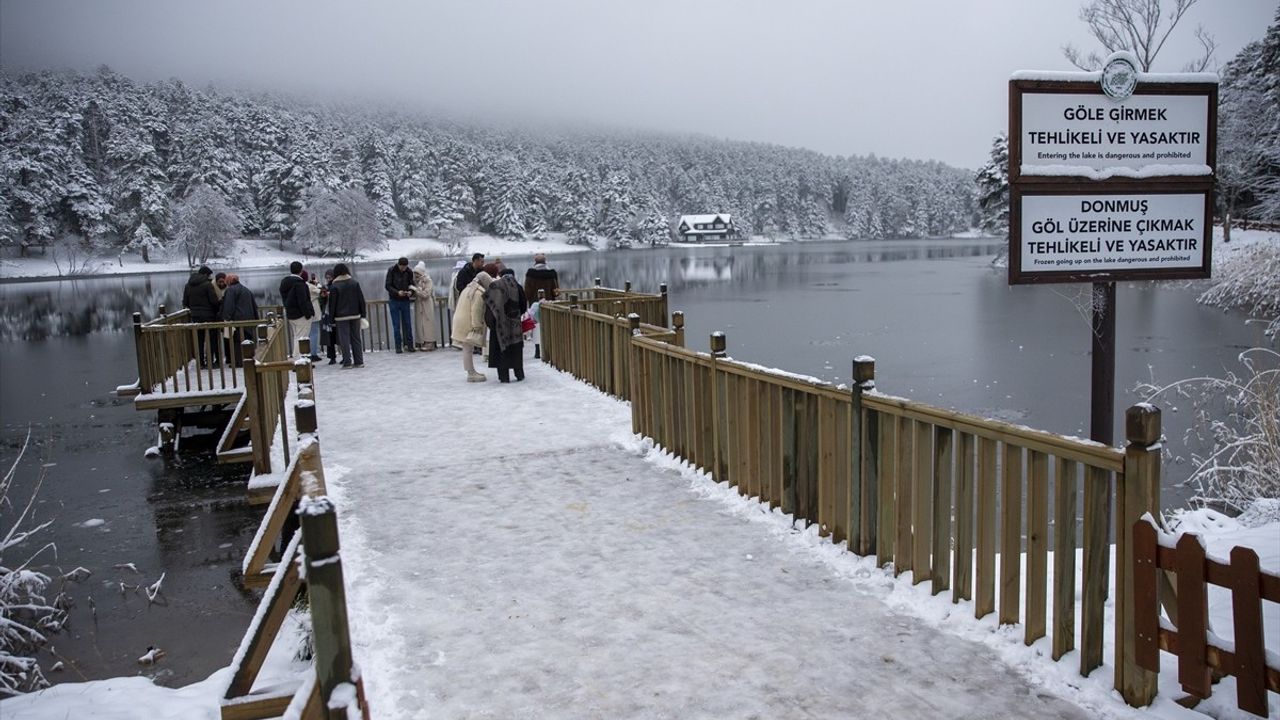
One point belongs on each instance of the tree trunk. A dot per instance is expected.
(146, 254)
(1226, 225)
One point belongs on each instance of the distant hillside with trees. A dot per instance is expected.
(106, 162)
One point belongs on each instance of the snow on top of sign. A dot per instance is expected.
(1096, 76)
(1146, 171)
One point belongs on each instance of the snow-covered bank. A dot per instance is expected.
(130, 698)
(253, 253)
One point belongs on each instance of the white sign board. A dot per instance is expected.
(1084, 234)
(1079, 134)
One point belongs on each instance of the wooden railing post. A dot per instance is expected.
(677, 322)
(719, 344)
(662, 292)
(252, 405)
(327, 593)
(537, 346)
(1138, 494)
(144, 369)
(626, 286)
(304, 347)
(632, 381)
(162, 312)
(862, 495)
(304, 417)
(571, 358)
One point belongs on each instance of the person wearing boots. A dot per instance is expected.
(468, 323)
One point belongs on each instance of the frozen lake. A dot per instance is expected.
(944, 327)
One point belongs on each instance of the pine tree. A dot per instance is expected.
(375, 174)
(993, 189)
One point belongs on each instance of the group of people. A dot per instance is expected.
(490, 310)
(486, 297)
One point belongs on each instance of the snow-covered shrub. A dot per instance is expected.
(25, 615)
(339, 222)
(1238, 417)
(1249, 278)
(204, 225)
(71, 256)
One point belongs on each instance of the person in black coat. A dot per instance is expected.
(201, 299)
(346, 305)
(298, 310)
(399, 287)
(238, 304)
(468, 273)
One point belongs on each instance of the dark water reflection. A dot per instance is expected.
(944, 328)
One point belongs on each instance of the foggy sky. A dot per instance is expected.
(898, 78)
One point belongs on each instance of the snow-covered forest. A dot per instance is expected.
(105, 161)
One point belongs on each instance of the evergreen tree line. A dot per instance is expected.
(110, 162)
(1248, 161)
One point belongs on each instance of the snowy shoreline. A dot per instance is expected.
(258, 254)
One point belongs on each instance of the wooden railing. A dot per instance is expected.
(169, 359)
(380, 336)
(1201, 653)
(302, 492)
(261, 408)
(931, 491)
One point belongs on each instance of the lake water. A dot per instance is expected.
(944, 327)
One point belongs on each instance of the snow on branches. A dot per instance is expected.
(25, 615)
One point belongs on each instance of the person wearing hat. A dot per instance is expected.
(424, 307)
(468, 323)
(400, 292)
(201, 300)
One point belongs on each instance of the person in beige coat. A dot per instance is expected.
(468, 323)
(424, 308)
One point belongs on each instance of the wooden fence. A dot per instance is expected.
(1200, 653)
(171, 367)
(302, 492)
(936, 492)
(380, 334)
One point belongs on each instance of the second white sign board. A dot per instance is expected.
(1092, 233)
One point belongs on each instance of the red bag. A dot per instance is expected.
(527, 323)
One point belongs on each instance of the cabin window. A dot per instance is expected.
(718, 226)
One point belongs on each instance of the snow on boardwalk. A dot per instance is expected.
(511, 553)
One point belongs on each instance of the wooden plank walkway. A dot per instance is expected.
(509, 554)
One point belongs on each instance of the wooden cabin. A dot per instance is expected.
(706, 228)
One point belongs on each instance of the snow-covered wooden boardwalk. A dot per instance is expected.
(512, 551)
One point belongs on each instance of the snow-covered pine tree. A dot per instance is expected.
(376, 178)
(616, 220)
(993, 189)
(137, 189)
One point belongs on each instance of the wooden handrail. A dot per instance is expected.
(879, 471)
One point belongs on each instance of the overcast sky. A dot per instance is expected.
(898, 78)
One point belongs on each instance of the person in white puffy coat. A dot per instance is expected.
(468, 323)
(424, 308)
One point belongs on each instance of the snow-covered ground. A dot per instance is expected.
(515, 552)
(252, 253)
